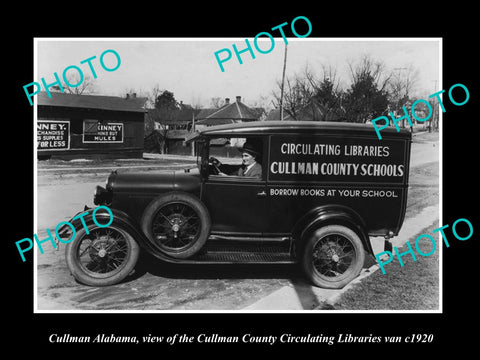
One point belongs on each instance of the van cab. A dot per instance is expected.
(319, 191)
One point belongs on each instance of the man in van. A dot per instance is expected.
(250, 166)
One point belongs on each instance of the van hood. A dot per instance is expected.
(153, 182)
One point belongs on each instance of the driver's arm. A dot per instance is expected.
(217, 165)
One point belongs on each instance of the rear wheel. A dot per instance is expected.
(333, 256)
(104, 256)
(177, 223)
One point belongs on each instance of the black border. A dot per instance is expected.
(242, 20)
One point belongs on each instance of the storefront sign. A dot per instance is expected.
(97, 132)
(53, 135)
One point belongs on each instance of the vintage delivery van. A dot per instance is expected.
(320, 191)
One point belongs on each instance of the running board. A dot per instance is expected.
(228, 252)
(247, 238)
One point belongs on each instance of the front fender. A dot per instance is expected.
(331, 214)
(120, 218)
(102, 216)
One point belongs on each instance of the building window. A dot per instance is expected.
(90, 127)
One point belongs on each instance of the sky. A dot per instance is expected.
(189, 69)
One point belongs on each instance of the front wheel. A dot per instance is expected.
(333, 256)
(104, 256)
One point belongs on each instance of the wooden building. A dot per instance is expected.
(89, 126)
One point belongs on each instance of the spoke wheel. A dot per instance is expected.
(103, 252)
(333, 256)
(104, 256)
(177, 224)
(176, 227)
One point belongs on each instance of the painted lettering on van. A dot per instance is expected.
(342, 169)
(343, 193)
(333, 158)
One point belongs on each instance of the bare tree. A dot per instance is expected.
(308, 96)
(401, 85)
(327, 93)
(217, 102)
(297, 92)
(261, 104)
(151, 116)
(367, 96)
(86, 87)
(367, 67)
(283, 82)
(153, 95)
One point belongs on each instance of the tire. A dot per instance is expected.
(177, 223)
(105, 256)
(333, 256)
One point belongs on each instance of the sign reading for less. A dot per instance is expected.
(53, 135)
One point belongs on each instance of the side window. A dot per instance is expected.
(237, 159)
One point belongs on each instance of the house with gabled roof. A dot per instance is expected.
(169, 136)
(229, 113)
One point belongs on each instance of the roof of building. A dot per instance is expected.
(231, 111)
(204, 113)
(101, 102)
(183, 114)
(274, 114)
(186, 112)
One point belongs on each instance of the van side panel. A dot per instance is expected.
(367, 175)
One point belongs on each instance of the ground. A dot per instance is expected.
(63, 188)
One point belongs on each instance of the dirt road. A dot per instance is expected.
(158, 286)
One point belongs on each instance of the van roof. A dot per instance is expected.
(298, 127)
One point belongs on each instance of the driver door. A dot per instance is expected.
(237, 205)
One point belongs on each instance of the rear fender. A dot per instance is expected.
(331, 214)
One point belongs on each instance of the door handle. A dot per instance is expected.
(262, 193)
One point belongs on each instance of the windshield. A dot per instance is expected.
(234, 156)
(226, 149)
(200, 148)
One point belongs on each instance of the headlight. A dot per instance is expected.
(110, 180)
(102, 196)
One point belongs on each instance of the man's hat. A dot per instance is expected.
(249, 149)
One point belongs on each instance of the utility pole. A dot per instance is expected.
(283, 81)
(193, 130)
